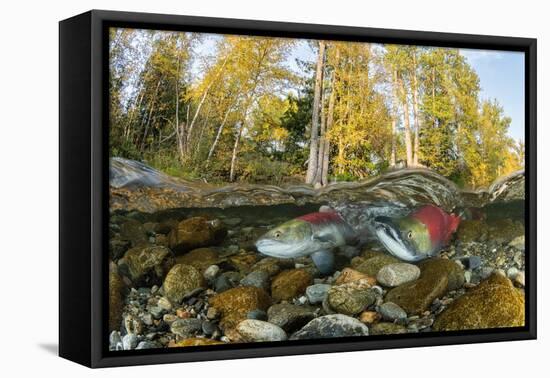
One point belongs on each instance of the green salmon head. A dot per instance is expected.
(406, 238)
(290, 239)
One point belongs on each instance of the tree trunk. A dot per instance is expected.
(325, 157)
(406, 121)
(317, 180)
(218, 135)
(145, 132)
(235, 150)
(314, 139)
(416, 150)
(394, 118)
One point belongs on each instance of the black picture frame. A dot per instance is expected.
(83, 180)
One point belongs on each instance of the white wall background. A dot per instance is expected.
(29, 185)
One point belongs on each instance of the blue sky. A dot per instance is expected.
(502, 77)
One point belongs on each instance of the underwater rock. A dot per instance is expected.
(186, 328)
(472, 231)
(116, 300)
(146, 265)
(268, 264)
(258, 278)
(415, 297)
(397, 274)
(117, 248)
(372, 262)
(328, 326)
(317, 293)
(226, 281)
(243, 262)
(351, 298)
(290, 317)
(253, 330)
(494, 303)
(211, 272)
(180, 281)
(290, 284)
(234, 304)
(129, 341)
(391, 312)
(196, 232)
(369, 317)
(350, 275)
(257, 314)
(518, 243)
(200, 258)
(133, 231)
(505, 230)
(194, 341)
(385, 328)
(432, 268)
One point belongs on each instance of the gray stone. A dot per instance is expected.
(350, 299)
(129, 341)
(258, 330)
(186, 327)
(257, 315)
(115, 342)
(329, 326)
(290, 317)
(317, 293)
(209, 328)
(146, 344)
(258, 278)
(390, 311)
(393, 275)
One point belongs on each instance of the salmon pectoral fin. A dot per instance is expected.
(324, 261)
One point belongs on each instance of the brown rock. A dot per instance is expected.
(494, 303)
(443, 267)
(369, 317)
(193, 341)
(180, 281)
(133, 231)
(290, 284)
(243, 262)
(234, 304)
(146, 265)
(370, 266)
(196, 232)
(351, 298)
(200, 258)
(415, 297)
(350, 275)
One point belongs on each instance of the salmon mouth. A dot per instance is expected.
(389, 234)
(282, 250)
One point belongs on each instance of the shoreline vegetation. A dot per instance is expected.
(217, 108)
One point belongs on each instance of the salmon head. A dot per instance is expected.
(421, 234)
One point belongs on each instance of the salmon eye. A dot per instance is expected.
(277, 234)
(410, 235)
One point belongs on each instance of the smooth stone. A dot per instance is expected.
(257, 330)
(226, 281)
(290, 284)
(494, 303)
(437, 267)
(234, 304)
(329, 326)
(129, 341)
(146, 344)
(257, 314)
(317, 293)
(351, 298)
(115, 341)
(290, 317)
(417, 296)
(196, 232)
(384, 328)
(375, 261)
(181, 281)
(348, 275)
(258, 278)
(211, 272)
(519, 279)
(369, 317)
(393, 275)
(194, 341)
(209, 328)
(186, 327)
(390, 311)
(164, 303)
(470, 262)
(518, 243)
(200, 258)
(146, 265)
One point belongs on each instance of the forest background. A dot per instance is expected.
(222, 108)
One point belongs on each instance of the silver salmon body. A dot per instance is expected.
(315, 235)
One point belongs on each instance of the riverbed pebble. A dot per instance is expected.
(397, 274)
